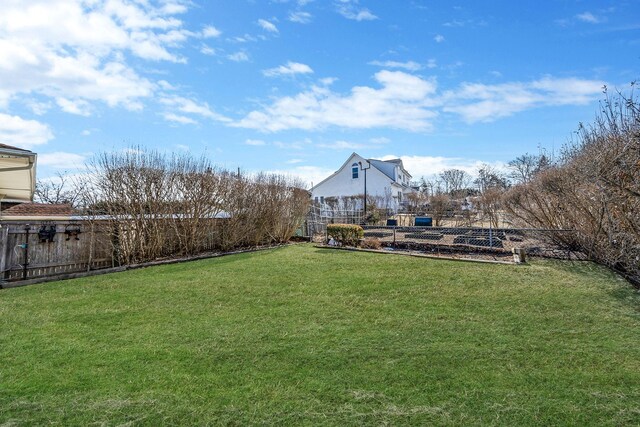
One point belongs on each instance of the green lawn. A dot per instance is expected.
(306, 336)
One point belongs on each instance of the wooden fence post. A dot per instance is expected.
(4, 243)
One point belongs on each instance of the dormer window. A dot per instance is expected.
(354, 171)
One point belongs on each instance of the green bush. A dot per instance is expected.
(345, 234)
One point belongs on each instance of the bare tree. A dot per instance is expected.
(60, 188)
(455, 180)
(490, 177)
(525, 167)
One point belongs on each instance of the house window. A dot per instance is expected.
(399, 196)
(354, 170)
(322, 199)
(316, 199)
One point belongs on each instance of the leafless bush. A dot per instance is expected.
(595, 190)
(160, 205)
(439, 205)
(371, 243)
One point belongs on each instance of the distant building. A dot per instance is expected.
(17, 175)
(387, 181)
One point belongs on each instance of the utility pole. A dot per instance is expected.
(365, 186)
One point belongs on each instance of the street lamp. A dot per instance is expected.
(365, 186)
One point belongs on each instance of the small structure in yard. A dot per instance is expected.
(423, 221)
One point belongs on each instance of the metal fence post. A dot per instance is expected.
(394, 237)
(490, 235)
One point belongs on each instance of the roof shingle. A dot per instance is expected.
(39, 209)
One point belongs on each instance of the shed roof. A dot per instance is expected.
(39, 210)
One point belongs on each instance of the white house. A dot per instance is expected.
(386, 180)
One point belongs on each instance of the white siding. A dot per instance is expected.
(342, 184)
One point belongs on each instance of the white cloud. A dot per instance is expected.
(432, 63)
(477, 102)
(298, 145)
(328, 81)
(588, 17)
(380, 140)
(21, 133)
(352, 146)
(351, 10)
(343, 145)
(439, 38)
(294, 161)
(163, 84)
(409, 65)
(73, 51)
(466, 23)
(267, 26)
(210, 32)
(177, 118)
(239, 57)
(207, 50)
(189, 106)
(255, 142)
(246, 38)
(307, 174)
(300, 17)
(402, 102)
(62, 160)
(429, 166)
(76, 106)
(38, 108)
(289, 69)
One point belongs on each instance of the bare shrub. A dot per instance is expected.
(438, 207)
(594, 190)
(160, 205)
(371, 243)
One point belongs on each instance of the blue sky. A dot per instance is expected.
(295, 86)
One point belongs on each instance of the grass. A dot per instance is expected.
(306, 336)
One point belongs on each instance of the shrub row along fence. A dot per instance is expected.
(157, 205)
(456, 240)
(141, 206)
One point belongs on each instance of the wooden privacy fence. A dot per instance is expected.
(30, 249)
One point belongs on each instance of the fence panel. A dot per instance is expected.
(45, 248)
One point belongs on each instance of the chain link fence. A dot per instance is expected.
(473, 239)
(450, 239)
